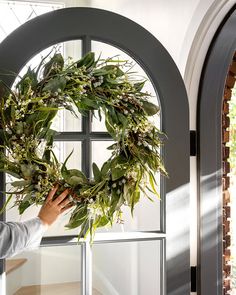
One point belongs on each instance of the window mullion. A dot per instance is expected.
(86, 267)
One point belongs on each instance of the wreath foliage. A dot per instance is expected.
(27, 139)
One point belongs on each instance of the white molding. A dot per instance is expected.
(198, 51)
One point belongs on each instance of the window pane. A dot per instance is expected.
(15, 13)
(65, 121)
(139, 272)
(100, 153)
(106, 51)
(62, 149)
(146, 213)
(50, 270)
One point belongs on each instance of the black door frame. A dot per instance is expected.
(95, 24)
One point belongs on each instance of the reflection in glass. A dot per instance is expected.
(50, 270)
(134, 269)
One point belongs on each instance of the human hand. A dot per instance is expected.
(51, 209)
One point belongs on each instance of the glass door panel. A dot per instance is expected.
(45, 271)
(133, 268)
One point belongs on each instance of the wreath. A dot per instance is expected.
(104, 86)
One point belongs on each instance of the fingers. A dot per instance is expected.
(61, 197)
(65, 202)
(52, 193)
(67, 207)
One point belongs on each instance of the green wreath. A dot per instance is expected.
(102, 85)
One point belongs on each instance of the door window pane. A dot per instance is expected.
(128, 268)
(62, 149)
(100, 153)
(45, 271)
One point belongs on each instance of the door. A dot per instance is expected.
(152, 253)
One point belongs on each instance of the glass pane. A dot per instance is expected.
(15, 13)
(50, 270)
(99, 151)
(146, 213)
(106, 51)
(134, 269)
(62, 150)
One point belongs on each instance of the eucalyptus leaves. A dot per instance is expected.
(27, 139)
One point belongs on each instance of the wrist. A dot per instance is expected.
(43, 222)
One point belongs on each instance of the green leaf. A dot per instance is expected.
(6, 203)
(23, 206)
(74, 180)
(112, 147)
(122, 119)
(114, 70)
(74, 177)
(90, 102)
(100, 72)
(55, 65)
(139, 86)
(119, 160)
(102, 221)
(78, 216)
(110, 128)
(87, 60)
(105, 168)
(135, 197)
(28, 81)
(152, 183)
(118, 172)
(56, 84)
(20, 183)
(96, 173)
(150, 108)
(63, 168)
